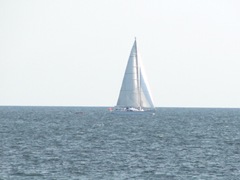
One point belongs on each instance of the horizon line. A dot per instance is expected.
(200, 107)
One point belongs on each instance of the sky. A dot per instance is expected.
(74, 52)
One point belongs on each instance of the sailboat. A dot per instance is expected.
(134, 96)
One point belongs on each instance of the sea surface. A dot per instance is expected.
(90, 143)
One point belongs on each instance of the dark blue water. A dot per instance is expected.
(90, 143)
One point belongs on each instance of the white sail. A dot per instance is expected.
(146, 96)
(134, 90)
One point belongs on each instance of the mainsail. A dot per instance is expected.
(134, 91)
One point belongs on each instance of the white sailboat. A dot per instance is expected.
(134, 96)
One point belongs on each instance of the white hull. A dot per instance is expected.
(133, 112)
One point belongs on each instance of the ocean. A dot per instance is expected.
(90, 143)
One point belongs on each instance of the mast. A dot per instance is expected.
(138, 76)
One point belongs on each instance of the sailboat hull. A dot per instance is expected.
(133, 112)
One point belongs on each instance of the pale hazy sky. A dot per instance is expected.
(74, 52)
